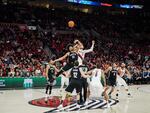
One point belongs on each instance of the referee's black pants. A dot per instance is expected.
(83, 94)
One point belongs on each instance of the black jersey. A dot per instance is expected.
(75, 73)
(111, 77)
(113, 74)
(72, 57)
(51, 72)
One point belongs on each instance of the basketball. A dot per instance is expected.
(71, 24)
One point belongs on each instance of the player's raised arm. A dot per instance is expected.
(79, 44)
(61, 58)
(89, 50)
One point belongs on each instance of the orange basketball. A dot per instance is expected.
(71, 24)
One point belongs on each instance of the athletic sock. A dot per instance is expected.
(117, 95)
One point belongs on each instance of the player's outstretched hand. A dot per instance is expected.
(76, 41)
(93, 41)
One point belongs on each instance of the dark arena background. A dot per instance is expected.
(47, 45)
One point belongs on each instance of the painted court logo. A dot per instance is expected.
(69, 104)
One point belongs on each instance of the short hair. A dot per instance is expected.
(69, 45)
(98, 65)
(76, 63)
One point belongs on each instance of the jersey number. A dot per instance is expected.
(75, 75)
(114, 74)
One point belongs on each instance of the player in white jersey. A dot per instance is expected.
(122, 71)
(96, 87)
(81, 51)
(95, 84)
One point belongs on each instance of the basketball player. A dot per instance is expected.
(95, 84)
(84, 83)
(75, 83)
(50, 75)
(122, 71)
(110, 77)
(71, 57)
(80, 50)
(64, 80)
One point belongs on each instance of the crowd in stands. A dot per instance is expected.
(24, 52)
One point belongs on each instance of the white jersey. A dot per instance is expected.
(96, 86)
(80, 57)
(120, 80)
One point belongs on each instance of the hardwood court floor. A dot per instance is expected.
(16, 101)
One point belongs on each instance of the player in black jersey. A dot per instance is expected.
(75, 83)
(71, 57)
(50, 75)
(84, 83)
(110, 78)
